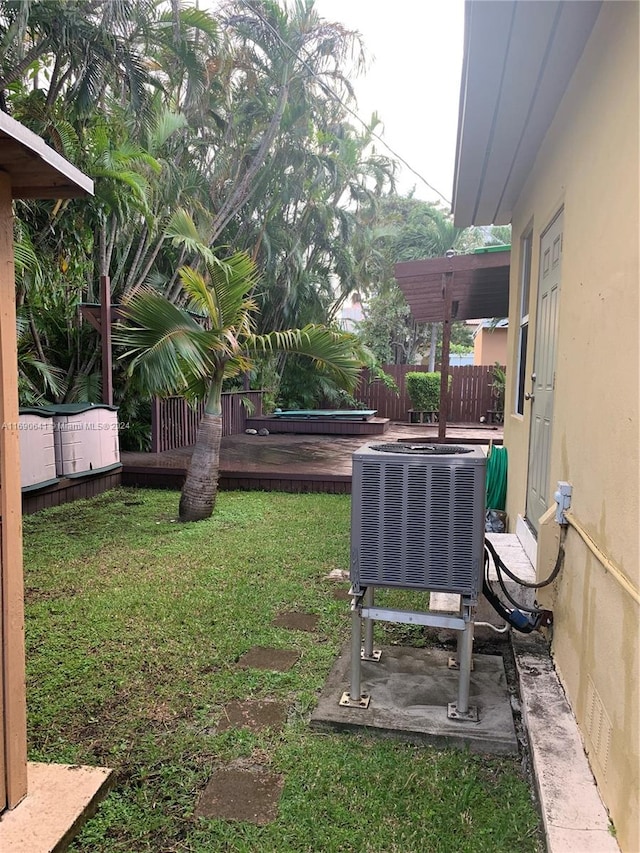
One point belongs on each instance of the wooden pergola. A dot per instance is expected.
(459, 287)
(28, 169)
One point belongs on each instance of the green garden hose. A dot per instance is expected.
(497, 478)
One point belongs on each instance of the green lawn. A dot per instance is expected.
(134, 626)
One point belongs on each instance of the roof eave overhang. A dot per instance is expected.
(479, 286)
(35, 169)
(518, 60)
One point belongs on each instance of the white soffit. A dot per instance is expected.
(518, 60)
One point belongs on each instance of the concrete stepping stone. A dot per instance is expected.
(253, 714)
(276, 660)
(243, 793)
(296, 621)
(337, 575)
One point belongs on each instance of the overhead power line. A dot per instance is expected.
(345, 106)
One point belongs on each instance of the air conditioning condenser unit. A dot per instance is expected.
(417, 518)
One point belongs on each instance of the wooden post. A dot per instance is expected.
(13, 715)
(105, 322)
(447, 281)
(156, 425)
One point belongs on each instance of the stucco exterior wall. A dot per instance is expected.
(588, 165)
(489, 346)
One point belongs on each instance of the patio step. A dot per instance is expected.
(60, 798)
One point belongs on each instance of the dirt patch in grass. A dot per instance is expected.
(241, 793)
(276, 660)
(161, 713)
(253, 714)
(296, 621)
(33, 595)
(341, 595)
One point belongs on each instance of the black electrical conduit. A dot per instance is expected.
(505, 591)
(523, 624)
(539, 584)
(517, 618)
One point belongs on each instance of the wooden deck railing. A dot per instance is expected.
(470, 392)
(174, 423)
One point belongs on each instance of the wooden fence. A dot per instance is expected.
(470, 393)
(174, 423)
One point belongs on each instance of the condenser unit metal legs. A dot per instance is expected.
(354, 698)
(363, 608)
(461, 710)
(368, 652)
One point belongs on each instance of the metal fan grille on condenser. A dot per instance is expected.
(422, 449)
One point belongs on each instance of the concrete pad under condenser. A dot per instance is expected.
(410, 690)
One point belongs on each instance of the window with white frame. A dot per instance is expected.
(523, 330)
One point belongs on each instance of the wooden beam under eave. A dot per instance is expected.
(456, 264)
(91, 313)
(14, 705)
(39, 190)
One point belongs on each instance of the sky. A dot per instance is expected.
(413, 82)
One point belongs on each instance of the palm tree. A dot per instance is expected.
(74, 48)
(192, 349)
(231, 118)
(285, 78)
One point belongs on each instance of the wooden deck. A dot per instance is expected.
(287, 462)
(70, 489)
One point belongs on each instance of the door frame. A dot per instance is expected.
(540, 389)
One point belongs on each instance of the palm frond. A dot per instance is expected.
(134, 180)
(200, 20)
(164, 342)
(86, 386)
(337, 353)
(25, 258)
(182, 231)
(237, 365)
(166, 124)
(232, 280)
(201, 299)
(38, 381)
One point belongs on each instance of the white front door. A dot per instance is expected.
(544, 372)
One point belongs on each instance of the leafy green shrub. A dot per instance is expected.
(424, 390)
(134, 413)
(498, 386)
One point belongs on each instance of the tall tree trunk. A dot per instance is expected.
(200, 488)
(246, 186)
